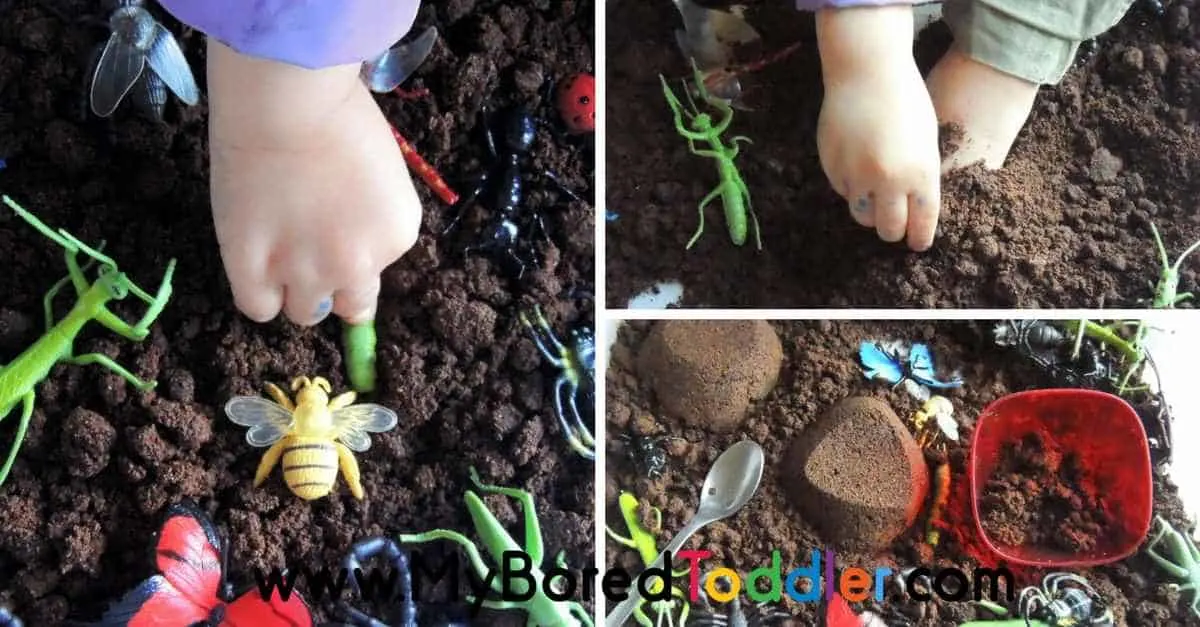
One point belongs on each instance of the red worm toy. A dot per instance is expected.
(941, 494)
(424, 170)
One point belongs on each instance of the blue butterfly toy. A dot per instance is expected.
(889, 364)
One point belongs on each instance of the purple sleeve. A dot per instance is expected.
(310, 33)
(814, 5)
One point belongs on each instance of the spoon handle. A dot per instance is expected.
(624, 610)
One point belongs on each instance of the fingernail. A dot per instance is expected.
(324, 308)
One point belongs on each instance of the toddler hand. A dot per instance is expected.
(878, 134)
(311, 196)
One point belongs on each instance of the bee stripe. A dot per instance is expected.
(303, 447)
(310, 467)
(309, 484)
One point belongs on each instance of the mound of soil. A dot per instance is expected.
(101, 460)
(1065, 224)
(820, 368)
(857, 475)
(708, 372)
(1032, 503)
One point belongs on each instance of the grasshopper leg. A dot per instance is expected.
(533, 530)
(19, 436)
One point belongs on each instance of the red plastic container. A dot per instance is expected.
(1106, 434)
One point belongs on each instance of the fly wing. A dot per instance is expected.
(268, 421)
(119, 68)
(167, 60)
(877, 364)
(354, 422)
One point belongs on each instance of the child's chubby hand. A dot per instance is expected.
(878, 133)
(311, 196)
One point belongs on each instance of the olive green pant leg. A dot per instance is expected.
(1035, 40)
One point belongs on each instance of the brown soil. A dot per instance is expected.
(708, 373)
(820, 368)
(1032, 503)
(101, 460)
(858, 475)
(1066, 224)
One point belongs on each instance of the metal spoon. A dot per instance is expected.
(393, 67)
(730, 483)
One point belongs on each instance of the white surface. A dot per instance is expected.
(659, 297)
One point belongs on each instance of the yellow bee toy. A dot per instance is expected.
(935, 423)
(313, 435)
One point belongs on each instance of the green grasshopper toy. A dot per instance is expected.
(542, 610)
(735, 196)
(1166, 294)
(643, 541)
(19, 378)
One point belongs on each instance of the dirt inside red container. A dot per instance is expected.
(1066, 224)
(1039, 499)
(101, 460)
(820, 368)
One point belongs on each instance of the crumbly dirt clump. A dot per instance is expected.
(708, 372)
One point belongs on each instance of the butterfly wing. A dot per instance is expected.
(354, 422)
(120, 65)
(167, 60)
(878, 363)
(920, 362)
(189, 560)
(268, 421)
(250, 610)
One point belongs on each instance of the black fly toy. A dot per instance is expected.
(142, 57)
(509, 234)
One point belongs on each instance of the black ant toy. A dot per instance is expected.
(647, 453)
(387, 548)
(505, 179)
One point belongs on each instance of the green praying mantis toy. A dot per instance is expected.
(19, 378)
(643, 541)
(732, 190)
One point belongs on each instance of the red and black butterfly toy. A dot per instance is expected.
(191, 588)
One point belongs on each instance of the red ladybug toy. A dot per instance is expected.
(577, 103)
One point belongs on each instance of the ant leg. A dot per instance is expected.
(485, 116)
(516, 259)
(543, 336)
(559, 184)
(460, 208)
(360, 619)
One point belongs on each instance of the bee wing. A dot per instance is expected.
(268, 421)
(119, 68)
(167, 60)
(948, 425)
(353, 423)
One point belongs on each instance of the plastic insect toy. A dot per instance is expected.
(576, 364)
(759, 615)
(1047, 346)
(934, 423)
(647, 453)
(541, 608)
(386, 548)
(611, 216)
(505, 179)
(1064, 600)
(1182, 560)
(138, 41)
(1154, 7)
(313, 436)
(7, 619)
(894, 364)
(1165, 292)
(19, 379)
(643, 541)
(191, 586)
(575, 99)
(735, 196)
(724, 83)
(358, 342)
(941, 495)
(424, 170)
